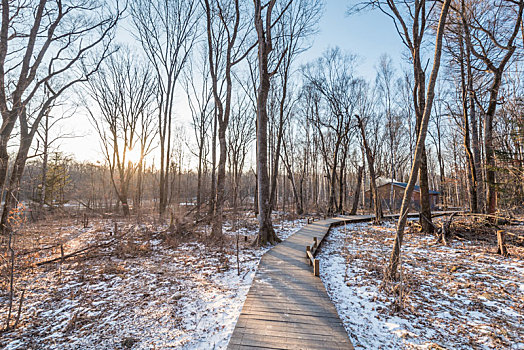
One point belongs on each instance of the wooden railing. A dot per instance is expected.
(310, 255)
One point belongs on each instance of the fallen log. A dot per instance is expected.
(62, 257)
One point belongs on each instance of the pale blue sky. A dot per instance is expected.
(368, 34)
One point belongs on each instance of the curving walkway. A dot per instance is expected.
(288, 307)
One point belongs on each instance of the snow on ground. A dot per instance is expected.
(457, 297)
(141, 294)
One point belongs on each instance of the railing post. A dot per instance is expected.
(316, 268)
(308, 249)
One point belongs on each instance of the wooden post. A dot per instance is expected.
(316, 268)
(308, 249)
(315, 244)
(85, 221)
(501, 242)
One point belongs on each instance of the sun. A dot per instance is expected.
(133, 154)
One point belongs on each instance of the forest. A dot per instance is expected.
(223, 137)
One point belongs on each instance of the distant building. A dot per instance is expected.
(384, 190)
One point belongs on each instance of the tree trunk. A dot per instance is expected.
(489, 149)
(45, 156)
(475, 143)
(199, 178)
(139, 174)
(392, 270)
(13, 187)
(213, 167)
(356, 195)
(8, 123)
(291, 177)
(472, 173)
(341, 186)
(501, 243)
(425, 207)
(377, 205)
(276, 155)
(333, 182)
(266, 233)
(255, 195)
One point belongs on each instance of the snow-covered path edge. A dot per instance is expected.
(354, 305)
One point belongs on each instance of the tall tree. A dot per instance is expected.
(365, 110)
(490, 33)
(332, 77)
(200, 102)
(226, 38)
(240, 136)
(167, 31)
(263, 24)
(418, 10)
(292, 31)
(384, 82)
(412, 22)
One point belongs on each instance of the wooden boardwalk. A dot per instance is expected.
(288, 307)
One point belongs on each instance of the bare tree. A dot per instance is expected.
(437, 132)
(200, 102)
(146, 133)
(123, 92)
(418, 9)
(289, 159)
(43, 54)
(412, 20)
(167, 30)
(240, 135)
(48, 135)
(356, 190)
(226, 38)
(365, 116)
(332, 77)
(490, 33)
(264, 22)
(292, 31)
(384, 82)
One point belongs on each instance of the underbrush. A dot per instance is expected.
(121, 283)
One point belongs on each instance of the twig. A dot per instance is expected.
(19, 309)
